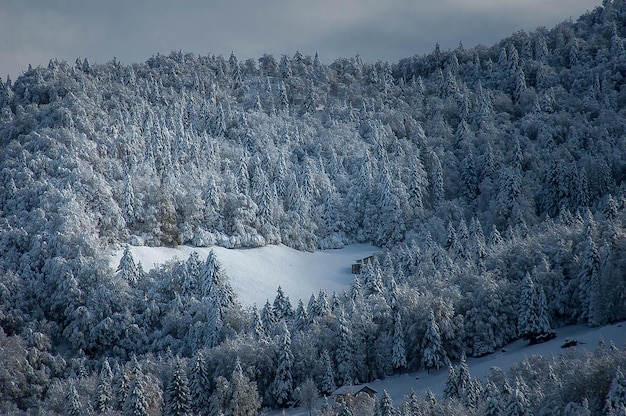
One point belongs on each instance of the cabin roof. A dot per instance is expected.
(353, 390)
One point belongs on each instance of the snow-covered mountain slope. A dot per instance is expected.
(256, 273)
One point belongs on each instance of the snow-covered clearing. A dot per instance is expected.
(401, 385)
(256, 273)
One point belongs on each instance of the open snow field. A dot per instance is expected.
(256, 273)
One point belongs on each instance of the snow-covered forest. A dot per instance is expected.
(492, 178)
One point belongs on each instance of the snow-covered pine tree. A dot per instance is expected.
(301, 318)
(73, 406)
(199, 383)
(517, 403)
(136, 403)
(282, 386)
(244, 400)
(451, 389)
(616, 396)
(344, 355)
(327, 377)
(282, 307)
(433, 353)
(104, 398)
(128, 269)
(398, 356)
(121, 384)
(588, 279)
(533, 321)
(177, 394)
(385, 405)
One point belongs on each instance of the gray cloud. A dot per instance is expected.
(32, 32)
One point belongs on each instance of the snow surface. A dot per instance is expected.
(256, 273)
(400, 386)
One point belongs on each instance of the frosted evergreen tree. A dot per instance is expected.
(245, 399)
(451, 389)
(282, 307)
(73, 406)
(214, 283)
(256, 324)
(136, 403)
(616, 397)
(398, 357)
(588, 280)
(411, 405)
(285, 67)
(323, 304)
(495, 238)
(493, 403)
(437, 182)
(510, 198)
(373, 280)
(128, 203)
(282, 386)
(177, 394)
(327, 378)
(121, 386)
(128, 269)
(283, 97)
(269, 319)
(418, 183)
(310, 102)
(433, 353)
(385, 406)
(344, 355)
(301, 321)
(533, 322)
(451, 240)
(199, 383)
(469, 177)
(517, 403)
(104, 397)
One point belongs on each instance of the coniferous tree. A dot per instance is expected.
(128, 269)
(399, 352)
(282, 386)
(588, 281)
(104, 398)
(344, 355)
(327, 379)
(301, 319)
(616, 397)
(121, 386)
(451, 389)
(136, 403)
(437, 182)
(199, 383)
(533, 322)
(433, 353)
(385, 406)
(517, 403)
(177, 394)
(73, 406)
(244, 400)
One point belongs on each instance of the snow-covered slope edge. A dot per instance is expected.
(588, 339)
(256, 273)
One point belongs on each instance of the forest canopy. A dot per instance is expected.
(492, 177)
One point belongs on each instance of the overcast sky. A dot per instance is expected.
(34, 31)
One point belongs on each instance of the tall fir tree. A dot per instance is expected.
(282, 386)
(104, 398)
(177, 394)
